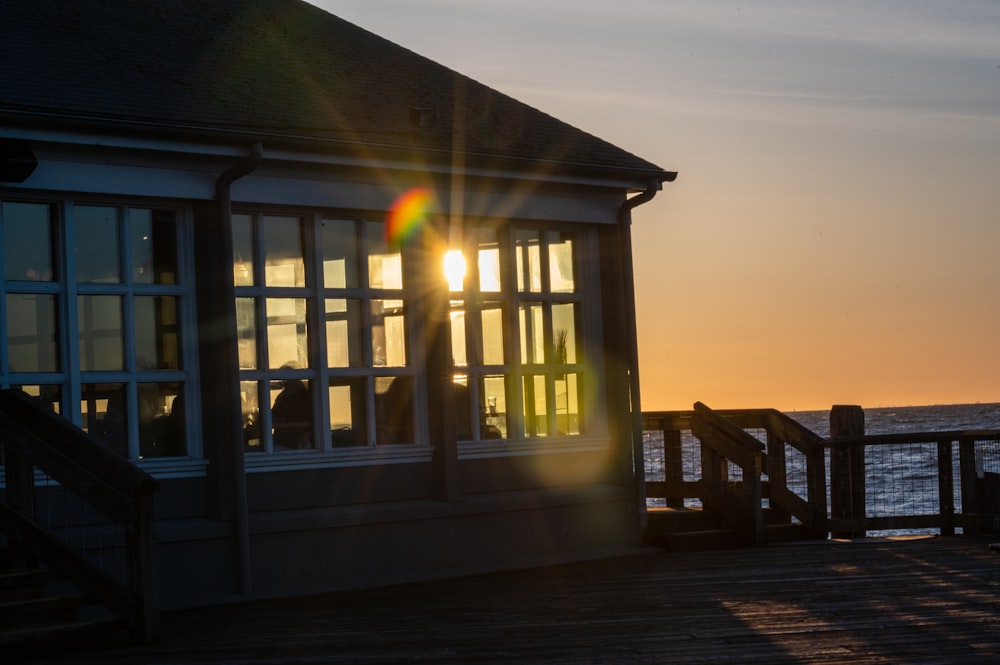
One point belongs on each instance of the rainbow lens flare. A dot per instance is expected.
(408, 215)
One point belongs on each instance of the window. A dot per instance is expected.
(323, 334)
(325, 330)
(92, 304)
(521, 379)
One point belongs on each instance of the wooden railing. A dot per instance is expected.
(871, 491)
(733, 463)
(825, 485)
(31, 438)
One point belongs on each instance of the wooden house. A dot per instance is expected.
(225, 226)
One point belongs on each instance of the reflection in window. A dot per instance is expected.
(49, 396)
(287, 340)
(100, 333)
(153, 246)
(32, 333)
(156, 332)
(340, 253)
(291, 415)
(104, 412)
(343, 332)
(246, 332)
(561, 278)
(283, 262)
(98, 245)
(28, 234)
(243, 250)
(388, 332)
(161, 420)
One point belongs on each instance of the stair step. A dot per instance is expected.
(61, 633)
(22, 584)
(39, 611)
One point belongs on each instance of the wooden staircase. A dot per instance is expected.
(38, 608)
(697, 530)
(50, 588)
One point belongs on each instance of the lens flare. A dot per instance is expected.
(408, 214)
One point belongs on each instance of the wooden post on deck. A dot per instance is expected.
(847, 468)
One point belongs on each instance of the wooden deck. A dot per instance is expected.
(934, 600)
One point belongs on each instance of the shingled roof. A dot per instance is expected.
(282, 69)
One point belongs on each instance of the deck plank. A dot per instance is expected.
(918, 601)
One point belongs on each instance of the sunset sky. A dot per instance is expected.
(834, 234)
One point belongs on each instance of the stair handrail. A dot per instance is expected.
(722, 440)
(35, 437)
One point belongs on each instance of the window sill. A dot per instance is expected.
(344, 457)
(538, 446)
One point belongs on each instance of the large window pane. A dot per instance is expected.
(250, 398)
(32, 333)
(287, 339)
(564, 333)
(385, 265)
(157, 344)
(536, 420)
(153, 240)
(343, 332)
(388, 333)
(347, 412)
(48, 395)
(567, 404)
(101, 335)
(393, 410)
(246, 332)
(105, 414)
(283, 262)
(488, 261)
(98, 244)
(459, 354)
(243, 250)
(161, 420)
(493, 395)
(561, 277)
(28, 234)
(532, 333)
(529, 261)
(340, 253)
(491, 324)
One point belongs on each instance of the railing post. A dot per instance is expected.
(847, 468)
(968, 478)
(142, 543)
(19, 475)
(946, 489)
(673, 465)
(776, 472)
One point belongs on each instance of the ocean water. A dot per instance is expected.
(901, 480)
(893, 420)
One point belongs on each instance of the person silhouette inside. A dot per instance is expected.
(291, 415)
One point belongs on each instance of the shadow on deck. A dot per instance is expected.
(934, 599)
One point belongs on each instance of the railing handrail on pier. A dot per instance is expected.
(33, 437)
(830, 495)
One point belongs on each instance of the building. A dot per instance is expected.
(224, 231)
